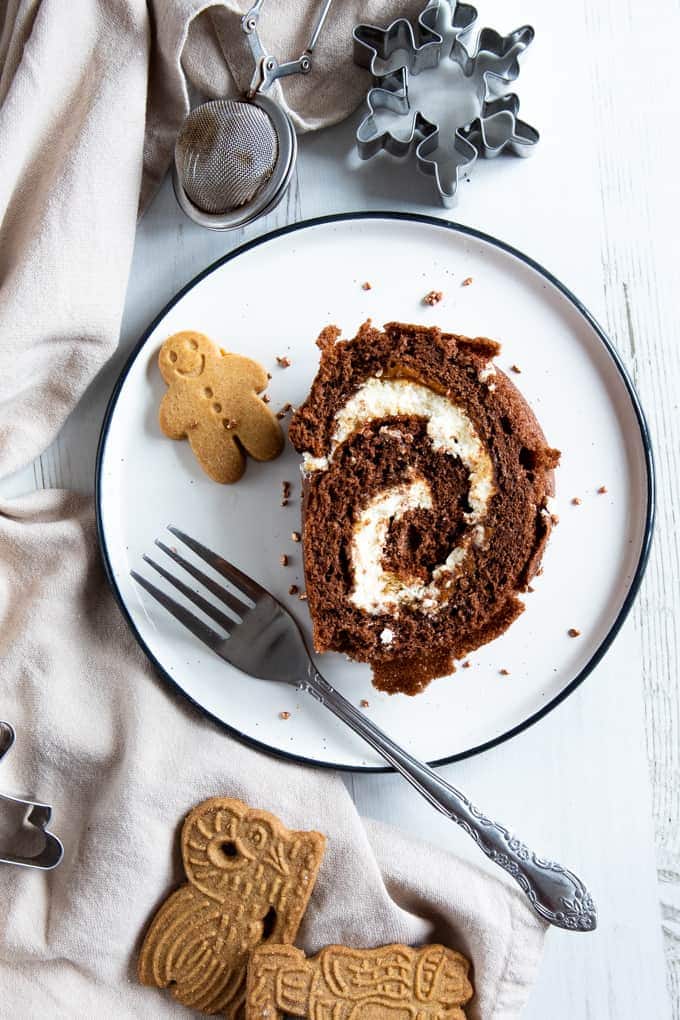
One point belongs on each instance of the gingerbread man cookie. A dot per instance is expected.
(213, 401)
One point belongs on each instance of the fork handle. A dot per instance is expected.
(555, 893)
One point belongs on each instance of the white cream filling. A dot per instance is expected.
(376, 590)
(450, 430)
(310, 463)
(448, 426)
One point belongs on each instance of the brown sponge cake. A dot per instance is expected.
(427, 487)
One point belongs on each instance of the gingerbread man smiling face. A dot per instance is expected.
(212, 400)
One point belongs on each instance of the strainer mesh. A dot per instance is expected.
(225, 152)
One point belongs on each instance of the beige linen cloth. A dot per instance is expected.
(91, 94)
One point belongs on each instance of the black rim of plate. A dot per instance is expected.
(634, 399)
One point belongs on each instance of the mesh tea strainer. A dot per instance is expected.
(234, 157)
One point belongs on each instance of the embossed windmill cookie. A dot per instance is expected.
(390, 983)
(249, 881)
(213, 401)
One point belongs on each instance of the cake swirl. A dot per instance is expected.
(427, 499)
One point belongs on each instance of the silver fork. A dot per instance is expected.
(262, 639)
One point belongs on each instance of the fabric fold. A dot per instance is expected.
(71, 137)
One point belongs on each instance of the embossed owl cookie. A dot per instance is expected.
(249, 879)
(213, 401)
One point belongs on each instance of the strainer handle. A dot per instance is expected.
(268, 69)
(316, 32)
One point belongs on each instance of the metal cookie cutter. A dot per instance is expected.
(37, 817)
(459, 109)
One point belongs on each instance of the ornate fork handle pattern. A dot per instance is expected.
(554, 892)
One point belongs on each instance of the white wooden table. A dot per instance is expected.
(597, 783)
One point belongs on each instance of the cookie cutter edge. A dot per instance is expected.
(424, 44)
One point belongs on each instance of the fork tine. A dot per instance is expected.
(212, 611)
(219, 591)
(199, 629)
(240, 580)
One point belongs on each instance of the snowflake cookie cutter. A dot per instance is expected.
(484, 122)
(36, 818)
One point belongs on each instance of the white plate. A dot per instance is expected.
(272, 297)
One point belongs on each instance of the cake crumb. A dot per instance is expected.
(293, 590)
(295, 536)
(283, 560)
(504, 672)
(466, 664)
(266, 398)
(433, 297)
(366, 285)
(364, 703)
(576, 501)
(554, 519)
(602, 490)
(303, 596)
(282, 412)
(530, 589)
(516, 369)
(284, 715)
(283, 360)
(467, 281)
(573, 632)
(285, 493)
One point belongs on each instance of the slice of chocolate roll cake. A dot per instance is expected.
(427, 490)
